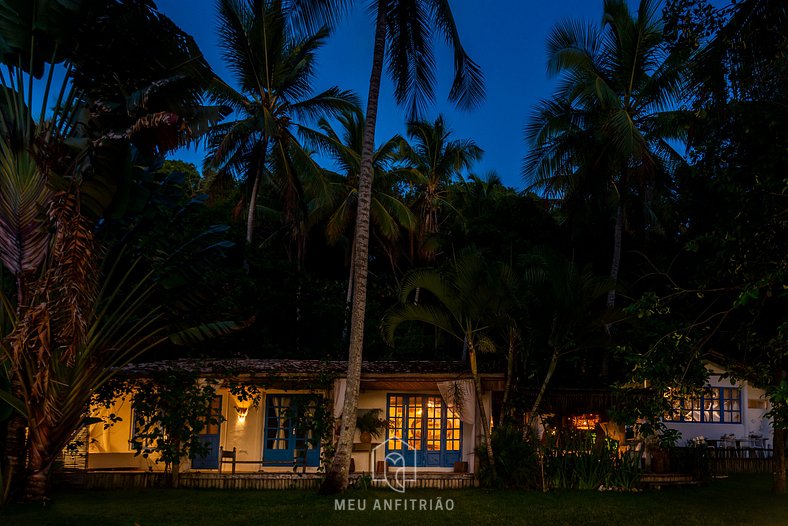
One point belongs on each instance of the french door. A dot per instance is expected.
(289, 438)
(210, 436)
(423, 430)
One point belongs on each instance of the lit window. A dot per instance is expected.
(424, 425)
(585, 422)
(715, 405)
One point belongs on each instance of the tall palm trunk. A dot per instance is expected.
(477, 383)
(349, 294)
(337, 477)
(615, 264)
(255, 188)
(509, 373)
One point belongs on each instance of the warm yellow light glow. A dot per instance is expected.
(586, 422)
(242, 412)
(242, 408)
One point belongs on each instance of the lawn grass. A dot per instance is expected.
(736, 500)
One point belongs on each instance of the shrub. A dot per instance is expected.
(516, 460)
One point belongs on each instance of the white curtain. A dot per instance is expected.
(281, 405)
(465, 395)
(340, 386)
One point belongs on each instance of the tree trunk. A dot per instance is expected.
(543, 389)
(14, 456)
(176, 474)
(349, 295)
(508, 385)
(616, 262)
(477, 383)
(778, 482)
(614, 267)
(253, 198)
(15, 449)
(337, 477)
(40, 462)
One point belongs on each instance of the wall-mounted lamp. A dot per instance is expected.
(242, 408)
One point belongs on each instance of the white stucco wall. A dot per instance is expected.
(110, 448)
(244, 434)
(752, 419)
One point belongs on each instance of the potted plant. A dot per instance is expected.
(370, 424)
(660, 441)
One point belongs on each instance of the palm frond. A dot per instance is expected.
(467, 90)
(431, 315)
(207, 331)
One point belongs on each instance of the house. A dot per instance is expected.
(727, 414)
(433, 418)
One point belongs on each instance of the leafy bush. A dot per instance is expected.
(516, 460)
(578, 460)
(626, 472)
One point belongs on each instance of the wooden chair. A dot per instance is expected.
(227, 457)
(758, 446)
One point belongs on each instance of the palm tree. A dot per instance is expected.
(563, 314)
(605, 137)
(469, 299)
(274, 70)
(407, 28)
(435, 160)
(338, 206)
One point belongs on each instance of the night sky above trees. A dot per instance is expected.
(508, 42)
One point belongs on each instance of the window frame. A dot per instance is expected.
(698, 403)
(421, 449)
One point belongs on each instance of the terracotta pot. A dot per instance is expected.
(366, 438)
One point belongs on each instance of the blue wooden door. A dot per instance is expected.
(289, 438)
(423, 431)
(433, 439)
(210, 436)
(279, 443)
(405, 433)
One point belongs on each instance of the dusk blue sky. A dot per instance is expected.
(506, 37)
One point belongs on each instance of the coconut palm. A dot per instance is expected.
(404, 34)
(389, 214)
(604, 140)
(469, 300)
(274, 70)
(339, 204)
(436, 161)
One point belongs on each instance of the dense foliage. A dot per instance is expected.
(652, 232)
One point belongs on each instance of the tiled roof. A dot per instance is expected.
(264, 367)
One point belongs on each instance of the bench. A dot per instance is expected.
(231, 457)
